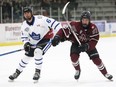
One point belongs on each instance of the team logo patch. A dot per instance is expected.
(39, 17)
(35, 36)
(26, 29)
(40, 26)
(93, 27)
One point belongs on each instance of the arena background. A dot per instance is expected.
(57, 69)
(103, 14)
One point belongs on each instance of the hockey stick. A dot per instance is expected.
(11, 52)
(44, 50)
(72, 30)
(47, 46)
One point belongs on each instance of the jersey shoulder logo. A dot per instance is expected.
(39, 17)
(93, 27)
(26, 29)
(35, 36)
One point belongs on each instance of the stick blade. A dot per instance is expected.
(64, 9)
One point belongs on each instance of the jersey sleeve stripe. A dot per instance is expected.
(24, 37)
(56, 26)
(93, 39)
(23, 62)
(94, 35)
(53, 23)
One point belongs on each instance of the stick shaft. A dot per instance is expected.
(72, 30)
(10, 52)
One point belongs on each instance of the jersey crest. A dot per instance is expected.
(35, 36)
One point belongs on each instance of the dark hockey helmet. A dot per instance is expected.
(27, 9)
(86, 15)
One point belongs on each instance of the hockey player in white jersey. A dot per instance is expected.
(37, 31)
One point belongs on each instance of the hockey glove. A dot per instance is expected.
(56, 40)
(83, 48)
(27, 47)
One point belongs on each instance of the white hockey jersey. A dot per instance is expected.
(41, 26)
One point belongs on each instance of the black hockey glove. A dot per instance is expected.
(27, 47)
(83, 48)
(56, 40)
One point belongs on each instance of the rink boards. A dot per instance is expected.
(11, 35)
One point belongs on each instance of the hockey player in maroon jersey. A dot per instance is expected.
(88, 36)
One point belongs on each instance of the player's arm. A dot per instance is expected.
(58, 37)
(61, 36)
(24, 34)
(94, 37)
(25, 38)
(53, 24)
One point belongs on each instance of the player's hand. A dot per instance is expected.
(83, 48)
(27, 47)
(56, 40)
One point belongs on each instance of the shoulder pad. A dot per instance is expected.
(24, 23)
(39, 16)
(93, 26)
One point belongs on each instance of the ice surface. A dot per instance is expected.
(57, 70)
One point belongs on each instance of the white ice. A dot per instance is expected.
(57, 69)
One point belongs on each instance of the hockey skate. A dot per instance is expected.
(77, 74)
(36, 75)
(108, 76)
(14, 76)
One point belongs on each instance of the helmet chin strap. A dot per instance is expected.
(85, 26)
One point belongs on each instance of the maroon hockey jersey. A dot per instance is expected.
(90, 35)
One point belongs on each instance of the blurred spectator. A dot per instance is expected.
(36, 2)
(45, 4)
(64, 1)
(17, 10)
(25, 3)
(0, 3)
(45, 13)
(115, 4)
(17, 5)
(56, 4)
(6, 11)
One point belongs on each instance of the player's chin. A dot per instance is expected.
(28, 19)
